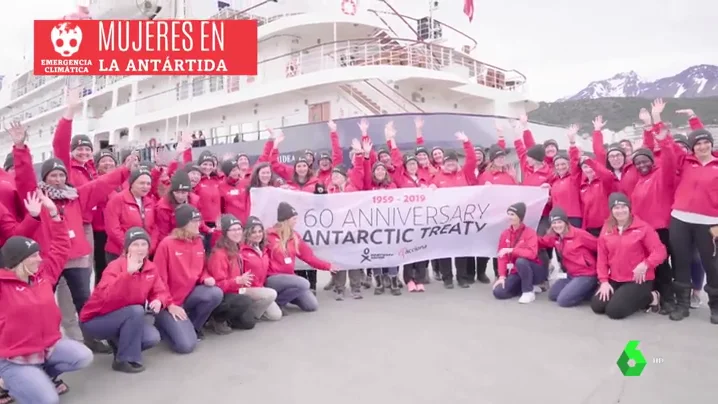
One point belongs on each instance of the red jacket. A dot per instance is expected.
(9, 196)
(620, 253)
(235, 198)
(165, 221)
(281, 262)
(697, 189)
(286, 172)
(181, 265)
(496, 178)
(529, 141)
(30, 320)
(466, 175)
(594, 196)
(629, 174)
(566, 190)
(89, 195)
(10, 227)
(79, 174)
(524, 242)
(225, 270)
(652, 196)
(119, 288)
(255, 262)
(577, 249)
(123, 213)
(207, 190)
(532, 176)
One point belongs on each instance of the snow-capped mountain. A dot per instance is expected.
(696, 81)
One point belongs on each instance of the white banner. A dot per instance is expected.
(373, 229)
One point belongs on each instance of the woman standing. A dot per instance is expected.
(255, 258)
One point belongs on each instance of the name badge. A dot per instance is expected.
(563, 275)
(242, 291)
(287, 260)
(509, 266)
(71, 234)
(234, 192)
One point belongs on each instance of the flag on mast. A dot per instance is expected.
(469, 9)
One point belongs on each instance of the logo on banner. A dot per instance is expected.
(145, 47)
(405, 252)
(368, 256)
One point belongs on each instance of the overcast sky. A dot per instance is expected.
(560, 45)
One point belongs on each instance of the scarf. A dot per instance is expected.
(57, 193)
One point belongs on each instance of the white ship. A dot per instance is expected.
(318, 60)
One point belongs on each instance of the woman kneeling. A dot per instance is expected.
(577, 249)
(628, 252)
(285, 246)
(518, 258)
(116, 309)
(193, 294)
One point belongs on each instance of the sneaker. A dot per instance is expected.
(449, 285)
(356, 294)
(538, 289)
(695, 300)
(339, 295)
(482, 278)
(411, 286)
(437, 276)
(219, 327)
(330, 285)
(420, 288)
(127, 367)
(200, 335)
(98, 346)
(527, 297)
(463, 284)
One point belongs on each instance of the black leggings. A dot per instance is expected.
(310, 275)
(595, 231)
(626, 299)
(686, 238)
(235, 310)
(664, 273)
(416, 271)
(483, 262)
(100, 238)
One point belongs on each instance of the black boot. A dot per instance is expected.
(668, 299)
(683, 301)
(379, 289)
(713, 303)
(394, 285)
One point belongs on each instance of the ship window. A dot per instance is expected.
(198, 86)
(182, 90)
(249, 131)
(220, 132)
(216, 83)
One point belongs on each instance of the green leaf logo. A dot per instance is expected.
(631, 353)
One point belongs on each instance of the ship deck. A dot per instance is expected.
(454, 346)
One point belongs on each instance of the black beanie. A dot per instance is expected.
(376, 165)
(227, 221)
(495, 151)
(678, 138)
(340, 170)
(409, 157)
(134, 234)
(16, 249)
(9, 161)
(325, 156)
(560, 155)
(480, 150)
(435, 148)
(451, 156)
(615, 147)
(50, 165)
(557, 214)
(102, 154)
(80, 140)
(618, 198)
(382, 150)
(643, 152)
(519, 209)
(186, 213)
(205, 157)
(138, 172)
(180, 182)
(537, 152)
(421, 149)
(228, 166)
(253, 221)
(285, 211)
(301, 159)
(698, 135)
(548, 143)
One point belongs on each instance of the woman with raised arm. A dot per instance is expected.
(694, 220)
(285, 245)
(520, 269)
(180, 260)
(566, 184)
(179, 192)
(33, 351)
(116, 309)
(616, 156)
(629, 250)
(577, 249)
(227, 268)
(597, 185)
(72, 203)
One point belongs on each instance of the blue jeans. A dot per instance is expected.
(571, 292)
(529, 274)
(78, 281)
(292, 289)
(33, 383)
(128, 329)
(181, 335)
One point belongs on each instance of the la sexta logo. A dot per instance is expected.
(66, 39)
(404, 252)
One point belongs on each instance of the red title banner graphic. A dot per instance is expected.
(143, 47)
